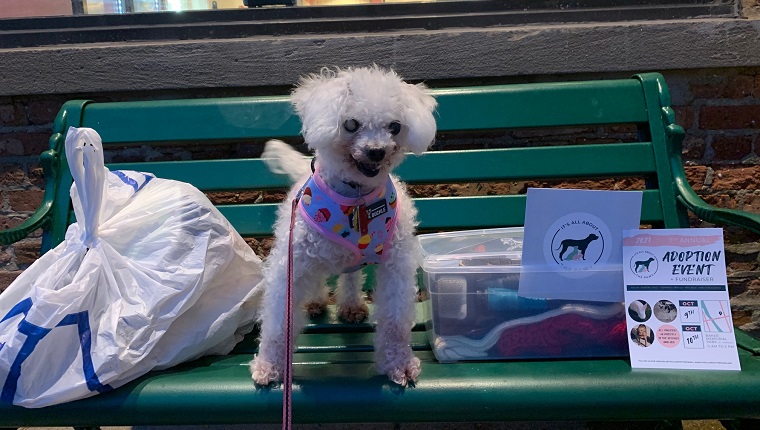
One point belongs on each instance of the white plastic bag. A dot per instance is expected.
(151, 275)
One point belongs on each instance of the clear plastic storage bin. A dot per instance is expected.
(474, 313)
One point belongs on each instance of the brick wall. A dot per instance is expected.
(25, 127)
(720, 110)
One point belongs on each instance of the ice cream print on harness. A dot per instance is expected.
(365, 225)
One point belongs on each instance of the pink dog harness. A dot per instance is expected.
(365, 225)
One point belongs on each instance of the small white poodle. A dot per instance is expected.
(351, 211)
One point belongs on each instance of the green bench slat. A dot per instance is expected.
(503, 106)
(550, 104)
(443, 213)
(213, 175)
(610, 160)
(187, 120)
(512, 164)
(436, 213)
(494, 211)
(223, 393)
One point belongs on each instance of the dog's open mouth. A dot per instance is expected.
(368, 170)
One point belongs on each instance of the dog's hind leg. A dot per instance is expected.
(350, 297)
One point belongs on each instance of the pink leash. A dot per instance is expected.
(287, 388)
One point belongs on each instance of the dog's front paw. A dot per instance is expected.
(354, 313)
(408, 372)
(315, 309)
(264, 372)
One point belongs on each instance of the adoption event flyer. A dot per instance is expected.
(676, 295)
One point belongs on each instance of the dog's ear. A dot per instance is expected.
(317, 101)
(418, 117)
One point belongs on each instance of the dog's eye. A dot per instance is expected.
(394, 127)
(351, 125)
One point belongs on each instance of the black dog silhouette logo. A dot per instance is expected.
(577, 242)
(578, 246)
(644, 264)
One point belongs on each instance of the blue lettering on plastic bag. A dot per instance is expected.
(34, 335)
(131, 182)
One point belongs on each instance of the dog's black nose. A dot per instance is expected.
(376, 154)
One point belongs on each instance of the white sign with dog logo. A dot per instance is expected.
(573, 243)
(676, 295)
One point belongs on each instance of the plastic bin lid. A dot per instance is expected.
(492, 250)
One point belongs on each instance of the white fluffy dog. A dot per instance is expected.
(360, 122)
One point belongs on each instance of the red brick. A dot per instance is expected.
(261, 246)
(6, 256)
(528, 133)
(7, 222)
(240, 197)
(250, 150)
(131, 155)
(7, 278)
(625, 128)
(11, 174)
(696, 176)
(741, 266)
(12, 113)
(731, 148)
(601, 184)
(588, 139)
(740, 86)
(693, 148)
(737, 178)
(23, 143)
(36, 175)
(721, 200)
(35, 143)
(712, 87)
(684, 116)
(8, 115)
(420, 190)
(27, 252)
(741, 317)
(729, 117)
(11, 145)
(25, 201)
(752, 204)
(43, 111)
(750, 9)
(506, 188)
(213, 154)
(274, 196)
(754, 285)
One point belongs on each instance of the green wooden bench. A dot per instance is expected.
(334, 378)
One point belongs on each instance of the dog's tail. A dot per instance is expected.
(283, 159)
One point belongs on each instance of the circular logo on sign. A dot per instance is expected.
(577, 243)
(644, 264)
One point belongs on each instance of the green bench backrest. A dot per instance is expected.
(642, 100)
